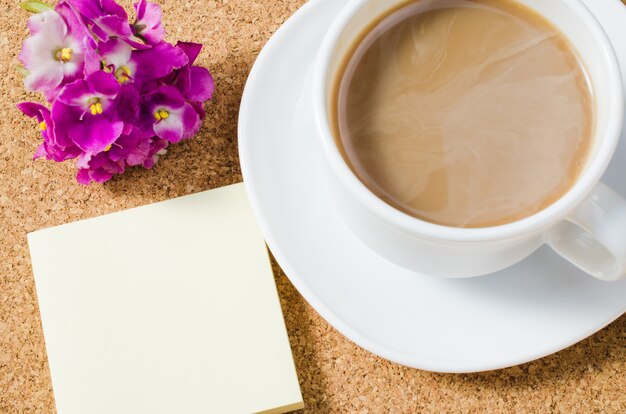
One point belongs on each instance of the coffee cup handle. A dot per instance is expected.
(594, 237)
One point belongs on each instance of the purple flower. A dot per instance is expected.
(49, 148)
(119, 93)
(140, 65)
(166, 114)
(85, 112)
(51, 54)
(148, 23)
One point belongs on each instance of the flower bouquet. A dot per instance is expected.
(118, 93)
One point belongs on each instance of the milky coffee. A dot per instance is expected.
(466, 113)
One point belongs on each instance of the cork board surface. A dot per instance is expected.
(336, 376)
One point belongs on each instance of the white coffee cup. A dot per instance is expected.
(587, 225)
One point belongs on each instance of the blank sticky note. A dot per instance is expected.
(166, 308)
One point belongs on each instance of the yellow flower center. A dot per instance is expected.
(64, 54)
(108, 147)
(161, 114)
(43, 126)
(95, 108)
(123, 74)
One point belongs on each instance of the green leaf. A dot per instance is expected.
(22, 70)
(35, 6)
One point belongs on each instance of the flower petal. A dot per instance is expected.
(99, 168)
(139, 153)
(113, 8)
(101, 176)
(75, 94)
(114, 26)
(82, 177)
(158, 61)
(154, 35)
(101, 163)
(83, 160)
(45, 78)
(148, 13)
(115, 52)
(40, 152)
(33, 110)
(192, 50)
(128, 104)
(88, 8)
(75, 25)
(199, 107)
(110, 167)
(63, 116)
(49, 23)
(98, 32)
(136, 43)
(42, 114)
(191, 122)
(181, 124)
(70, 70)
(104, 84)
(201, 85)
(132, 148)
(95, 133)
(50, 147)
(157, 148)
(148, 24)
(97, 8)
(166, 97)
(90, 56)
(36, 52)
(170, 129)
(99, 85)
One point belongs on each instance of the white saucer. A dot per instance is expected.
(531, 310)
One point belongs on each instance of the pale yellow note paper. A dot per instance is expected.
(167, 308)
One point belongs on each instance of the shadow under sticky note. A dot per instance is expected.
(166, 308)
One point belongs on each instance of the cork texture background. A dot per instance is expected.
(336, 376)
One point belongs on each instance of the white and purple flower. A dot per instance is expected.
(53, 55)
(119, 93)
